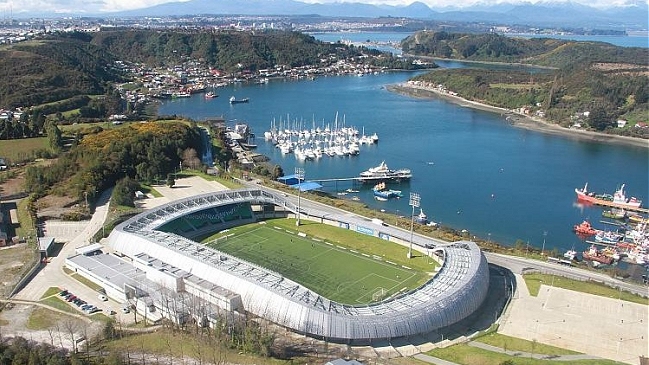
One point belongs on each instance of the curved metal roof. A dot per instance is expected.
(456, 290)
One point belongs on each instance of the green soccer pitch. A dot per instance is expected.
(338, 273)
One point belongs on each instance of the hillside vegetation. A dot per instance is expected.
(606, 81)
(229, 51)
(52, 69)
(145, 152)
(72, 77)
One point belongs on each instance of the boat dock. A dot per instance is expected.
(619, 206)
(358, 178)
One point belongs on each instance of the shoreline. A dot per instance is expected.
(519, 120)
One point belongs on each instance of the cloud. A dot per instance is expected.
(74, 6)
(96, 6)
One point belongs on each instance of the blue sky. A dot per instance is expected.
(15, 7)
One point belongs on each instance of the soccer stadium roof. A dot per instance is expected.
(456, 290)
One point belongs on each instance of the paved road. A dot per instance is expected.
(519, 265)
(52, 274)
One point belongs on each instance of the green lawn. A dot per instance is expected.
(338, 273)
(534, 282)
(468, 355)
(22, 149)
(518, 344)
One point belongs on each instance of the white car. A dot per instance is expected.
(102, 297)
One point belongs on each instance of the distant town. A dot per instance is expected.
(14, 30)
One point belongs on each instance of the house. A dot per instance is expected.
(3, 164)
(641, 125)
(621, 123)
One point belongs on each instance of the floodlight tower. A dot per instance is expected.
(299, 172)
(414, 202)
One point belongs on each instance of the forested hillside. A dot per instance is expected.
(142, 151)
(227, 50)
(537, 51)
(52, 69)
(591, 83)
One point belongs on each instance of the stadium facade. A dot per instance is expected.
(164, 234)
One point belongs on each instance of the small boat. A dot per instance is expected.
(592, 254)
(380, 198)
(614, 213)
(608, 237)
(421, 217)
(381, 191)
(617, 200)
(570, 254)
(234, 100)
(636, 218)
(584, 229)
(210, 95)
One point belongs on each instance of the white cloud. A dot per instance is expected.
(16, 7)
(74, 6)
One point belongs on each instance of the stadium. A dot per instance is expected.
(160, 244)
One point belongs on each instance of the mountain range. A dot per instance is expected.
(542, 14)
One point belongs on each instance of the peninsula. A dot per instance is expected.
(588, 90)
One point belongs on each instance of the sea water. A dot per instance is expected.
(471, 168)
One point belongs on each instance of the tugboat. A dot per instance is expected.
(584, 229)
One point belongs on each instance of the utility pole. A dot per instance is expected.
(299, 172)
(414, 202)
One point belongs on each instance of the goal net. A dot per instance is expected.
(379, 295)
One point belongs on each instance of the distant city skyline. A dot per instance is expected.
(16, 7)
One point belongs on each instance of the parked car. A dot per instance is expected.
(102, 297)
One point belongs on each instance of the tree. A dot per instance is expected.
(190, 159)
(277, 172)
(170, 180)
(599, 117)
(109, 330)
(124, 192)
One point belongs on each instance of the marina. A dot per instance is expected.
(473, 170)
(316, 142)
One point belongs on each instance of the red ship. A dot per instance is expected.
(584, 229)
(618, 199)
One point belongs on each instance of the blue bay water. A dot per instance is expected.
(471, 168)
(633, 40)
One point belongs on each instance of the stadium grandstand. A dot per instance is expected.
(164, 236)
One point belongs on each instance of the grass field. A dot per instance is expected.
(22, 149)
(336, 272)
(534, 282)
